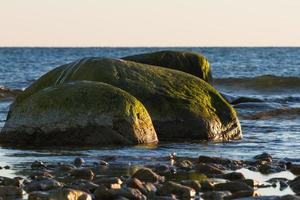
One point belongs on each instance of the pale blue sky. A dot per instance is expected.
(150, 23)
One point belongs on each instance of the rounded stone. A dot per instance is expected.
(81, 113)
(175, 100)
(189, 62)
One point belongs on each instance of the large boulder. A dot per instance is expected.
(189, 62)
(182, 106)
(81, 113)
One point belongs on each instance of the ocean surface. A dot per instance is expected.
(270, 124)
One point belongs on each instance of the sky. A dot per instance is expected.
(131, 23)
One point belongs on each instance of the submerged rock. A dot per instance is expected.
(189, 62)
(81, 113)
(175, 100)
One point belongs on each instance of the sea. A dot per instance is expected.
(270, 123)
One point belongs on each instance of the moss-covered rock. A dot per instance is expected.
(189, 62)
(182, 106)
(81, 113)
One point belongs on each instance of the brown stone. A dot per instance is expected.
(147, 175)
(83, 173)
(234, 186)
(177, 189)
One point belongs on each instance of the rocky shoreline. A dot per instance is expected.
(171, 177)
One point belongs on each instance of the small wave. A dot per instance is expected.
(280, 112)
(7, 93)
(284, 99)
(265, 82)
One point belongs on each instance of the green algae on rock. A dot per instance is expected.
(182, 106)
(189, 62)
(81, 113)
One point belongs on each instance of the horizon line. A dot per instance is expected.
(234, 46)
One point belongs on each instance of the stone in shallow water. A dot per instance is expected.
(4, 181)
(83, 173)
(83, 185)
(82, 113)
(184, 164)
(109, 182)
(103, 193)
(78, 162)
(137, 184)
(10, 192)
(233, 186)
(264, 157)
(177, 189)
(290, 197)
(295, 186)
(216, 195)
(295, 169)
(147, 175)
(192, 184)
(208, 169)
(207, 186)
(175, 100)
(60, 194)
(40, 175)
(38, 165)
(42, 185)
(233, 176)
(189, 62)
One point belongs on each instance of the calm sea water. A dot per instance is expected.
(269, 74)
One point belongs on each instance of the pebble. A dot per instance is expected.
(60, 194)
(78, 162)
(216, 195)
(38, 165)
(103, 163)
(177, 189)
(43, 185)
(182, 180)
(6, 167)
(192, 184)
(83, 173)
(208, 170)
(264, 157)
(147, 175)
(233, 176)
(10, 192)
(184, 164)
(233, 186)
(109, 182)
(207, 186)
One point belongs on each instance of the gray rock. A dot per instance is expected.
(10, 192)
(43, 185)
(147, 175)
(170, 187)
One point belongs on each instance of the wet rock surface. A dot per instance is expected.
(82, 113)
(175, 100)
